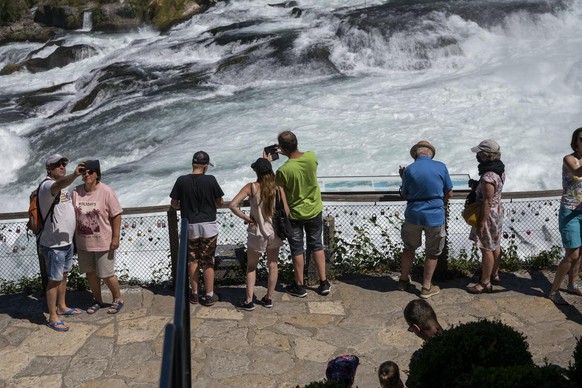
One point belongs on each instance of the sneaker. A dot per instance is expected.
(193, 298)
(403, 284)
(296, 290)
(324, 287)
(209, 300)
(557, 299)
(242, 305)
(428, 292)
(268, 303)
(574, 290)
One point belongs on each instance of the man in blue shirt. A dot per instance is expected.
(426, 185)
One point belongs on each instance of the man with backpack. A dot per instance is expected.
(56, 236)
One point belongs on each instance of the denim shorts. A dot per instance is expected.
(58, 261)
(313, 232)
(570, 224)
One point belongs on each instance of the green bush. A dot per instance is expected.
(510, 260)
(545, 259)
(27, 285)
(76, 280)
(11, 11)
(445, 359)
(522, 376)
(575, 370)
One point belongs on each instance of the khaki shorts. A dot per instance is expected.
(434, 236)
(201, 250)
(102, 263)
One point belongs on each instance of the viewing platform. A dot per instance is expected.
(285, 346)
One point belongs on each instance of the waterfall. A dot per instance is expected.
(87, 21)
(359, 86)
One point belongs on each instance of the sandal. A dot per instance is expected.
(480, 288)
(58, 326)
(95, 307)
(115, 307)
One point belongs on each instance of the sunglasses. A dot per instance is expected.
(60, 164)
(411, 329)
(88, 172)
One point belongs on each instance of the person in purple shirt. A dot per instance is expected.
(426, 185)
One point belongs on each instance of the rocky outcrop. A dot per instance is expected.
(116, 17)
(165, 13)
(61, 57)
(68, 18)
(48, 17)
(26, 30)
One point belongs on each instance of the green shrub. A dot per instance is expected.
(521, 376)
(575, 370)
(545, 259)
(510, 260)
(27, 285)
(445, 359)
(11, 11)
(76, 280)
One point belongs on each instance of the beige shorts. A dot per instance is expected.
(258, 243)
(102, 263)
(434, 236)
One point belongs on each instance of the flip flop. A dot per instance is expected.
(55, 326)
(71, 311)
(115, 307)
(94, 308)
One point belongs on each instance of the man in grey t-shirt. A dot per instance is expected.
(56, 238)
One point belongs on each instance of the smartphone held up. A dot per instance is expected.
(272, 150)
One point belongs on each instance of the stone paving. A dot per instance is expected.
(285, 346)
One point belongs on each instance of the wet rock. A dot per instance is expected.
(68, 18)
(116, 18)
(61, 57)
(165, 13)
(285, 4)
(26, 30)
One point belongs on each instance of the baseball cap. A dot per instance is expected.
(201, 157)
(487, 146)
(422, 143)
(261, 166)
(54, 159)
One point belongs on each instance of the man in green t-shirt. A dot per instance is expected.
(298, 177)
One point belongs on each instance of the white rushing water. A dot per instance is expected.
(517, 80)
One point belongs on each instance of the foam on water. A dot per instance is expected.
(519, 82)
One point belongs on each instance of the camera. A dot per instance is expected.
(272, 150)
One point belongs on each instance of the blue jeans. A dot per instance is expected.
(313, 232)
(58, 261)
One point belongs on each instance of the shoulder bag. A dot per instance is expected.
(281, 220)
